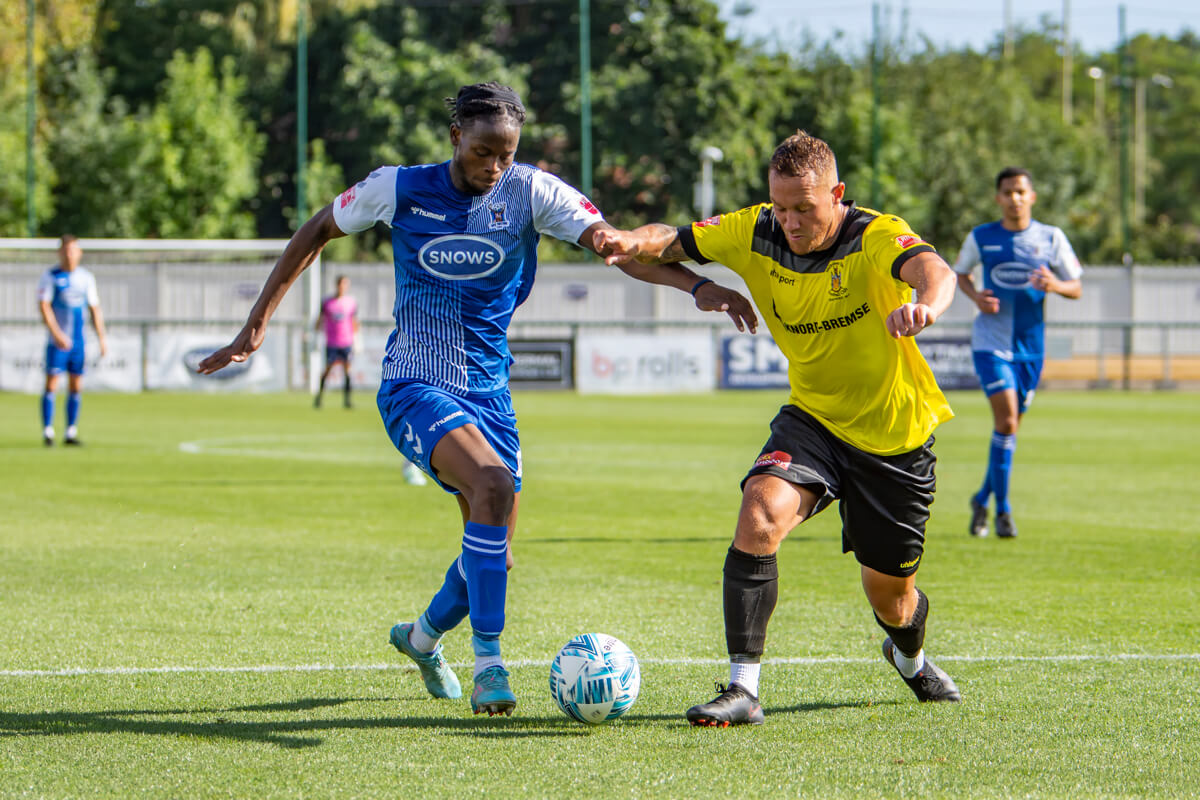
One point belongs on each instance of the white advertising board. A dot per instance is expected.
(23, 363)
(644, 363)
(173, 356)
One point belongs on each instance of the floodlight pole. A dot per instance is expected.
(312, 283)
(1124, 83)
(30, 120)
(585, 94)
(1067, 66)
(301, 113)
(875, 199)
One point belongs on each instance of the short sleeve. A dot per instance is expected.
(559, 209)
(889, 244)
(45, 288)
(968, 255)
(369, 201)
(1064, 262)
(93, 295)
(724, 238)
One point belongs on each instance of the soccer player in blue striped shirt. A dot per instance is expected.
(464, 239)
(1023, 260)
(65, 294)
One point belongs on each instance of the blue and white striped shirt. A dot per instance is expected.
(463, 264)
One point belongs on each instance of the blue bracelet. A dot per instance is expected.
(700, 283)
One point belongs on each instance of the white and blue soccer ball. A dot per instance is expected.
(595, 678)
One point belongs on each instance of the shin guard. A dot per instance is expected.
(751, 589)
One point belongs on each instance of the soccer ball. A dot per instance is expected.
(595, 678)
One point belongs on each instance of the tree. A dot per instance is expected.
(201, 155)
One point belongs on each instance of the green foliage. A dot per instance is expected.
(13, 201)
(202, 153)
(667, 80)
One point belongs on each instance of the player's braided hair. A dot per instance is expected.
(801, 153)
(489, 100)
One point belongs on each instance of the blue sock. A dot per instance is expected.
(1000, 460)
(485, 548)
(47, 409)
(985, 491)
(73, 400)
(449, 606)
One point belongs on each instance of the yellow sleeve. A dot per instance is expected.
(725, 238)
(889, 242)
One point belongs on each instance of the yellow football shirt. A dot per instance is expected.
(827, 312)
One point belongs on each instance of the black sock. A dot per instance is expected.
(751, 588)
(347, 389)
(911, 638)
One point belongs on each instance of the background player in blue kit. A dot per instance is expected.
(64, 293)
(464, 240)
(1022, 260)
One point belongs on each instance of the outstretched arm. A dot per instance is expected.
(658, 251)
(934, 281)
(300, 252)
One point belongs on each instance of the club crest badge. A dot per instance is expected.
(837, 281)
(499, 221)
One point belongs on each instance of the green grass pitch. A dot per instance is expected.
(264, 549)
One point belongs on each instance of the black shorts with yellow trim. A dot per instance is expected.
(884, 500)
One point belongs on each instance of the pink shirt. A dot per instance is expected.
(339, 321)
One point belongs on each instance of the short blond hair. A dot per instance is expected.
(801, 153)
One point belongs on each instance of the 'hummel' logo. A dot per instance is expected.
(420, 212)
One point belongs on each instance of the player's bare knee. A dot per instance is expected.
(763, 524)
(492, 492)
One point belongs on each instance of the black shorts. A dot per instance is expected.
(884, 499)
(335, 354)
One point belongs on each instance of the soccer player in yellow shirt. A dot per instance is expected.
(835, 284)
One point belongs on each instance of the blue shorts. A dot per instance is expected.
(333, 354)
(418, 415)
(57, 361)
(997, 374)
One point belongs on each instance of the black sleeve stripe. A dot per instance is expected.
(688, 240)
(906, 255)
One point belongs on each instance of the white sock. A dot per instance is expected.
(48, 431)
(72, 431)
(908, 666)
(745, 676)
(483, 662)
(420, 640)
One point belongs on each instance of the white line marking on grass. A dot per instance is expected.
(350, 447)
(74, 672)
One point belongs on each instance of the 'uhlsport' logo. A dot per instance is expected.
(1011, 275)
(461, 257)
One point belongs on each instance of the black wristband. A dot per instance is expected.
(700, 283)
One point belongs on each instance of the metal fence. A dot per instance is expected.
(1134, 326)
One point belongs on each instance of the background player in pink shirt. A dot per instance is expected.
(339, 315)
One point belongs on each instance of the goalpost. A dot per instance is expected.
(157, 288)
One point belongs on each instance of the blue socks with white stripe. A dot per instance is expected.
(476, 584)
(47, 409)
(999, 470)
(73, 401)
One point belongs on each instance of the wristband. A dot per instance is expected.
(700, 283)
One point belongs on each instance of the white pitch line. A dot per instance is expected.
(815, 661)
